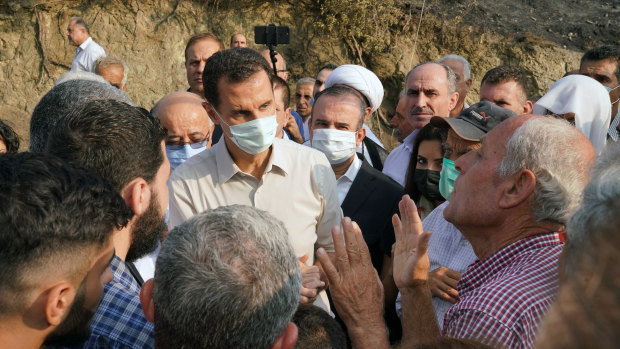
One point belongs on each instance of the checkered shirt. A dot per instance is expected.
(119, 321)
(504, 297)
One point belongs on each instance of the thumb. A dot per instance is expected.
(303, 258)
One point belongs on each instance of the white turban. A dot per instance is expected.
(359, 78)
(585, 97)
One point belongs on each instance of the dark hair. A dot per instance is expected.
(280, 84)
(50, 212)
(317, 329)
(427, 133)
(62, 99)
(9, 137)
(235, 65)
(339, 91)
(200, 37)
(505, 73)
(80, 21)
(604, 52)
(328, 66)
(112, 139)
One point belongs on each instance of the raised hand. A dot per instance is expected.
(310, 281)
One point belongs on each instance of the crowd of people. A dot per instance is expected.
(224, 218)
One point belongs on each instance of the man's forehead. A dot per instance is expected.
(430, 76)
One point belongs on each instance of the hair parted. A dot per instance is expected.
(62, 99)
(600, 53)
(546, 147)
(9, 137)
(226, 278)
(116, 141)
(234, 65)
(505, 73)
(51, 214)
(466, 67)
(200, 37)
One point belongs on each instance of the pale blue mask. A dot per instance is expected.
(447, 177)
(254, 136)
(179, 154)
(609, 89)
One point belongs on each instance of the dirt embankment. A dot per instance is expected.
(544, 38)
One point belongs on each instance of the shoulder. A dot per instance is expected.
(197, 166)
(386, 183)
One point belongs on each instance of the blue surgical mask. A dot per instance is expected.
(178, 155)
(253, 136)
(447, 177)
(609, 89)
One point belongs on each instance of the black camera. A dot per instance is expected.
(272, 35)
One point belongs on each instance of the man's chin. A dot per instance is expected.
(419, 120)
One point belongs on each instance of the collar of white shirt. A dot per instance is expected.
(86, 43)
(354, 168)
(226, 167)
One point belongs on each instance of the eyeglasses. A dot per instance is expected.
(195, 143)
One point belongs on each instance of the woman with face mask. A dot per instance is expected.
(422, 183)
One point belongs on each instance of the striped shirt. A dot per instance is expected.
(504, 297)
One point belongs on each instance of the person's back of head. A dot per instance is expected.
(317, 329)
(117, 141)
(108, 67)
(55, 220)
(62, 99)
(226, 278)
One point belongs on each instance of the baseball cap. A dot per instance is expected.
(474, 122)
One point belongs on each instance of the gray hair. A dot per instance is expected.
(546, 147)
(450, 76)
(61, 100)
(108, 61)
(80, 75)
(226, 278)
(81, 22)
(600, 205)
(466, 67)
(306, 81)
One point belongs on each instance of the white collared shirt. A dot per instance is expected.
(346, 180)
(397, 161)
(85, 56)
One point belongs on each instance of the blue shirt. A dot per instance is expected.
(300, 125)
(119, 321)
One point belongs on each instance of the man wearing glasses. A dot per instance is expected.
(189, 127)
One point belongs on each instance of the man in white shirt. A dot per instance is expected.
(87, 50)
(251, 167)
(430, 91)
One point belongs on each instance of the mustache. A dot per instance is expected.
(424, 110)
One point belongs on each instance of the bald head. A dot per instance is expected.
(183, 115)
(280, 64)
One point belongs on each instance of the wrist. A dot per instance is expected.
(369, 336)
(414, 287)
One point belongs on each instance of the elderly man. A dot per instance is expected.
(61, 100)
(226, 278)
(250, 167)
(507, 87)
(303, 96)
(198, 49)
(87, 50)
(94, 136)
(399, 121)
(238, 40)
(603, 65)
(430, 91)
(189, 127)
(460, 67)
(113, 70)
(51, 214)
(280, 63)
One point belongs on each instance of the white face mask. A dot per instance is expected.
(609, 89)
(254, 136)
(337, 145)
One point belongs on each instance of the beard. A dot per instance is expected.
(75, 328)
(148, 230)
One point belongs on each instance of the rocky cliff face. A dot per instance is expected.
(151, 36)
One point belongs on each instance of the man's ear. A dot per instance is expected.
(468, 83)
(359, 136)
(528, 107)
(368, 111)
(454, 98)
(517, 189)
(146, 299)
(137, 195)
(58, 301)
(288, 338)
(211, 112)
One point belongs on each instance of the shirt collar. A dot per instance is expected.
(353, 169)
(86, 43)
(226, 167)
(408, 141)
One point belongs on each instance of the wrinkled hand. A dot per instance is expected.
(310, 281)
(292, 128)
(354, 284)
(410, 256)
(442, 282)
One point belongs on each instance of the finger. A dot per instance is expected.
(361, 244)
(313, 284)
(342, 258)
(350, 237)
(422, 247)
(303, 300)
(450, 282)
(453, 274)
(328, 267)
(308, 292)
(396, 223)
(303, 258)
(446, 297)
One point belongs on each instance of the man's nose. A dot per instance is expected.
(394, 121)
(201, 66)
